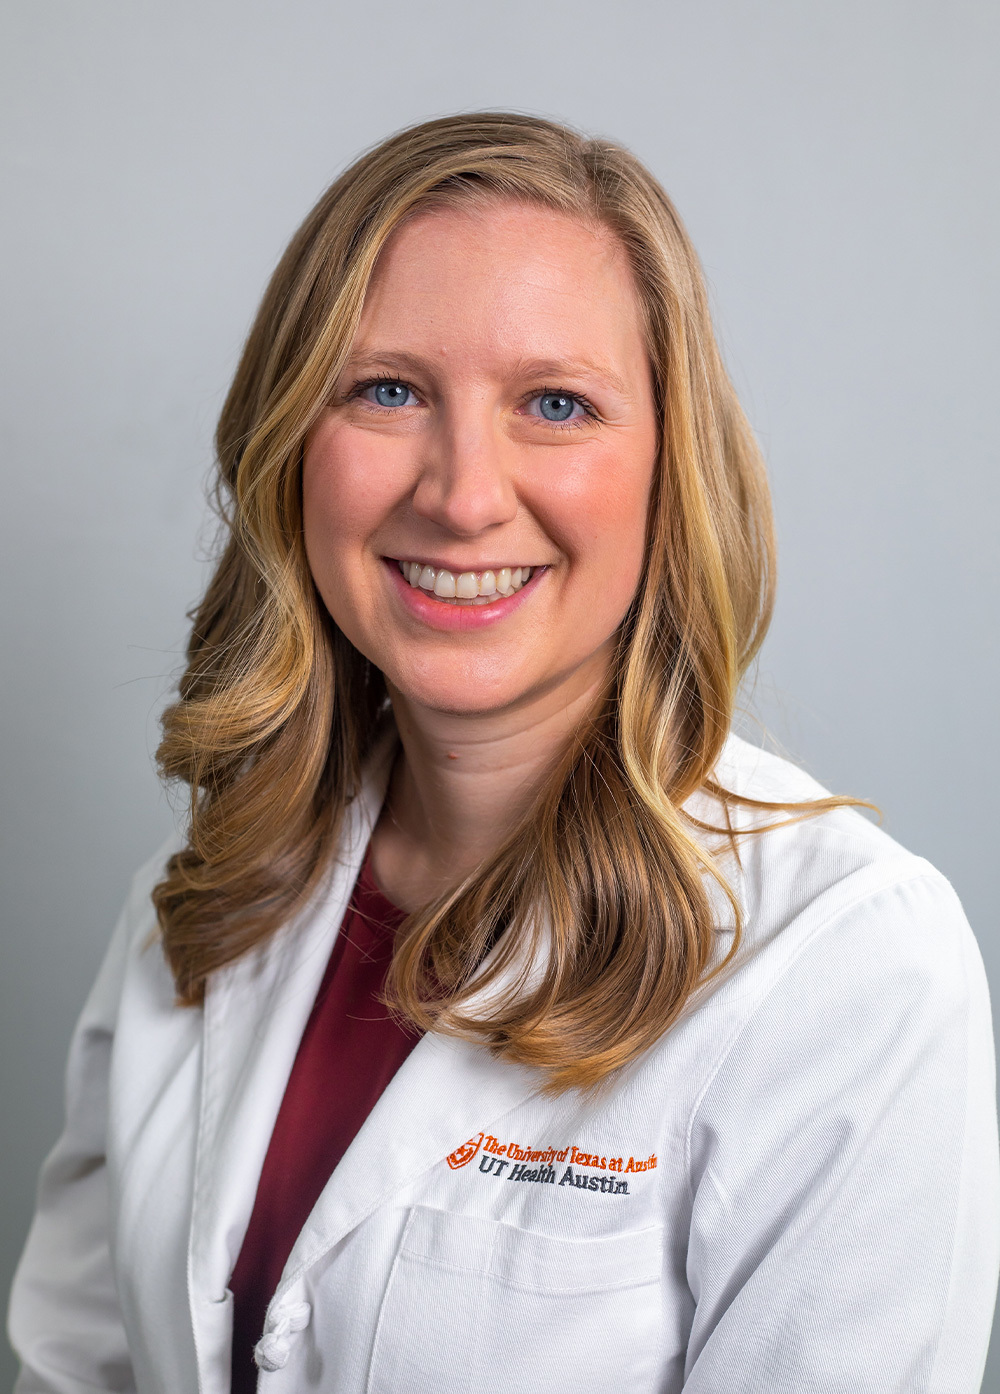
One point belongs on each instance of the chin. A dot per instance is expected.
(452, 700)
(473, 689)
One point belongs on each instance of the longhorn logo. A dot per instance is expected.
(463, 1155)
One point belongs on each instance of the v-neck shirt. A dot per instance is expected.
(350, 1050)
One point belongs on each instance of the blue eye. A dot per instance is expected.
(390, 394)
(556, 406)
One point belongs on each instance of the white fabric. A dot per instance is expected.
(818, 1210)
(273, 1349)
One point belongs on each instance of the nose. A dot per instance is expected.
(466, 484)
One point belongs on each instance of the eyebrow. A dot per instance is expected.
(572, 367)
(540, 368)
(385, 358)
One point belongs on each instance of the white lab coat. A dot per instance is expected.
(795, 1189)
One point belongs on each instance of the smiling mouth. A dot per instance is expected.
(466, 587)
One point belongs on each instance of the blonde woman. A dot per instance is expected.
(501, 1019)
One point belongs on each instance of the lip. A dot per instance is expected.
(436, 614)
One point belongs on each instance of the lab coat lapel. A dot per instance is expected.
(255, 1014)
(445, 1092)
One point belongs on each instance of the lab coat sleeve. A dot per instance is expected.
(64, 1320)
(844, 1167)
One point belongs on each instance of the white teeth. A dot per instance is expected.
(468, 587)
(444, 585)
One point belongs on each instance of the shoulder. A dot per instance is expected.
(793, 863)
(137, 924)
(133, 961)
(840, 1141)
(858, 978)
(836, 892)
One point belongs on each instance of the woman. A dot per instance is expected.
(686, 1075)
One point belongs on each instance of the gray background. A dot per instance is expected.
(835, 163)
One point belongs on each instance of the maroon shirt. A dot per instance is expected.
(350, 1050)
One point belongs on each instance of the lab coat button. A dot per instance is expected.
(273, 1349)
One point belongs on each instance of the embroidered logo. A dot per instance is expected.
(463, 1155)
(536, 1164)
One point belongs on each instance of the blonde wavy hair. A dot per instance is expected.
(606, 877)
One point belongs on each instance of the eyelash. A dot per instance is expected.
(590, 411)
(359, 387)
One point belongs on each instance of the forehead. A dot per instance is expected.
(510, 277)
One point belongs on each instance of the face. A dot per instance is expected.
(475, 497)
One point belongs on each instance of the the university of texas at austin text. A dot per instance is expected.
(508, 1161)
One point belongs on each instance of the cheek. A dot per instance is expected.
(612, 581)
(342, 503)
(322, 522)
(333, 521)
(606, 534)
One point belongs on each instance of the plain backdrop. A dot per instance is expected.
(835, 162)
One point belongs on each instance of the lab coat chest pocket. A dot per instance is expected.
(472, 1302)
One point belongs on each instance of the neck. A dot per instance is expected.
(462, 783)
